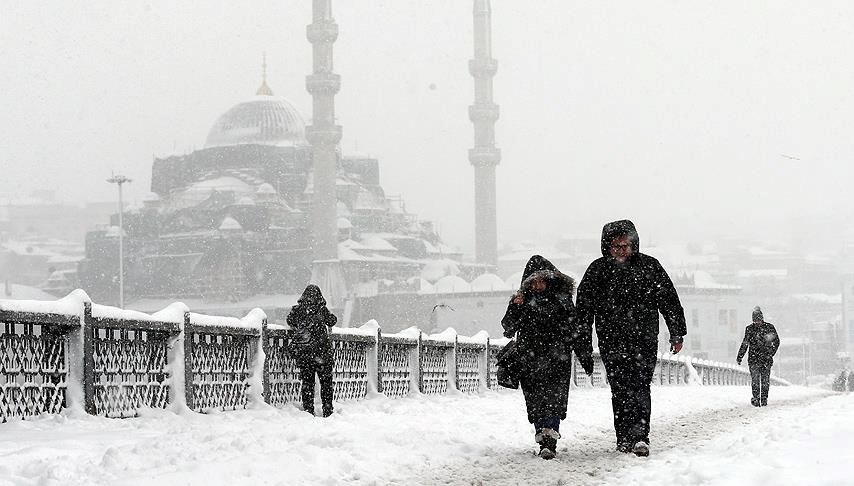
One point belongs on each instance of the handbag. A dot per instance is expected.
(301, 343)
(507, 359)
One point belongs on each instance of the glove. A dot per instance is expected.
(586, 363)
(675, 348)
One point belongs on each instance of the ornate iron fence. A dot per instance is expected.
(121, 361)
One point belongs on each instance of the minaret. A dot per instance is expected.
(264, 90)
(484, 156)
(323, 135)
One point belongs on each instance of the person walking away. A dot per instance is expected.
(311, 347)
(540, 314)
(762, 341)
(622, 293)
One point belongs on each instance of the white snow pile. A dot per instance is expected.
(700, 435)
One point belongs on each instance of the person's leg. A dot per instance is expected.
(755, 383)
(642, 400)
(765, 380)
(620, 400)
(306, 376)
(327, 387)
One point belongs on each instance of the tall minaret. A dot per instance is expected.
(484, 156)
(323, 135)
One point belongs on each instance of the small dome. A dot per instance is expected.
(245, 201)
(452, 284)
(488, 282)
(266, 188)
(264, 120)
(344, 223)
(230, 224)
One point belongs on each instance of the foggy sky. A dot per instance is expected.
(720, 118)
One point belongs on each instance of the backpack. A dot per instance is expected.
(301, 343)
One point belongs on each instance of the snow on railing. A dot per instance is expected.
(111, 362)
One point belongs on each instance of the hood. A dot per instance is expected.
(311, 296)
(539, 267)
(619, 228)
(535, 264)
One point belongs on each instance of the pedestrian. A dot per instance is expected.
(540, 315)
(762, 339)
(623, 293)
(311, 347)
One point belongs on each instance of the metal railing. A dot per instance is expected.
(74, 354)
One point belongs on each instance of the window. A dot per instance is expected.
(733, 320)
(695, 318)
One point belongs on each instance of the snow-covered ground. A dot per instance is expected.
(700, 435)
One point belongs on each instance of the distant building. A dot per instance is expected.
(233, 219)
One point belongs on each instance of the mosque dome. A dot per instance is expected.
(264, 119)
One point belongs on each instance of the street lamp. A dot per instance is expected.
(119, 180)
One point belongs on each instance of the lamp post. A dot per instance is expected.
(119, 180)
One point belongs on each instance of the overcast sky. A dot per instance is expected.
(692, 118)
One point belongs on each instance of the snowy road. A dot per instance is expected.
(700, 435)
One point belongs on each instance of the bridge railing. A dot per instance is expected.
(71, 353)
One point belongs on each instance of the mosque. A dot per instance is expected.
(270, 204)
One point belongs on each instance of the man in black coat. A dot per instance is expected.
(311, 347)
(762, 339)
(623, 292)
(540, 315)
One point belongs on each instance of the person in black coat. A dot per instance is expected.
(762, 340)
(623, 293)
(540, 315)
(311, 347)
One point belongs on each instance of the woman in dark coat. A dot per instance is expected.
(540, 315)
(311, 347)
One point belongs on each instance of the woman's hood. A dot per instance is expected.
(312, 296)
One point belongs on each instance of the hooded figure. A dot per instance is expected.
(622, 293)
(311, 347)
(762, 340)
(540, 315)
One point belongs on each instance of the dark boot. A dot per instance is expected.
(754, 402)
(327, 410)
(548, 448)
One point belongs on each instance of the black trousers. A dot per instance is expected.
(322, 367)
(630, 378)
(760, 379)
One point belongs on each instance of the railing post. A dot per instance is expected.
(188, 361)
(488, 367)
(265, 347)
(88, 360)
(453, 369)
(420, 363)
(379, 359)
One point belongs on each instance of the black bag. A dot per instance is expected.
(508, 366)
(301, 343)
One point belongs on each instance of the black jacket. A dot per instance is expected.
(311, 314)
(543, 323)
(763, 342)
(624, 300)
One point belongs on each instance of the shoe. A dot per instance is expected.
(548, 447)
(640, 449)
(754, 402)
(763, 404)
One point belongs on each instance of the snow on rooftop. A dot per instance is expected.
(764, 272)
(452, 284)
(488, 282)
(704, 280)
(433, 270)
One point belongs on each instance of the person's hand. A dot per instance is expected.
(518, 298)
(675, 348)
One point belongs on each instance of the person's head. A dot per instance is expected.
(621, 248)
(538, 284)
(620, 240)
(758, 318)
